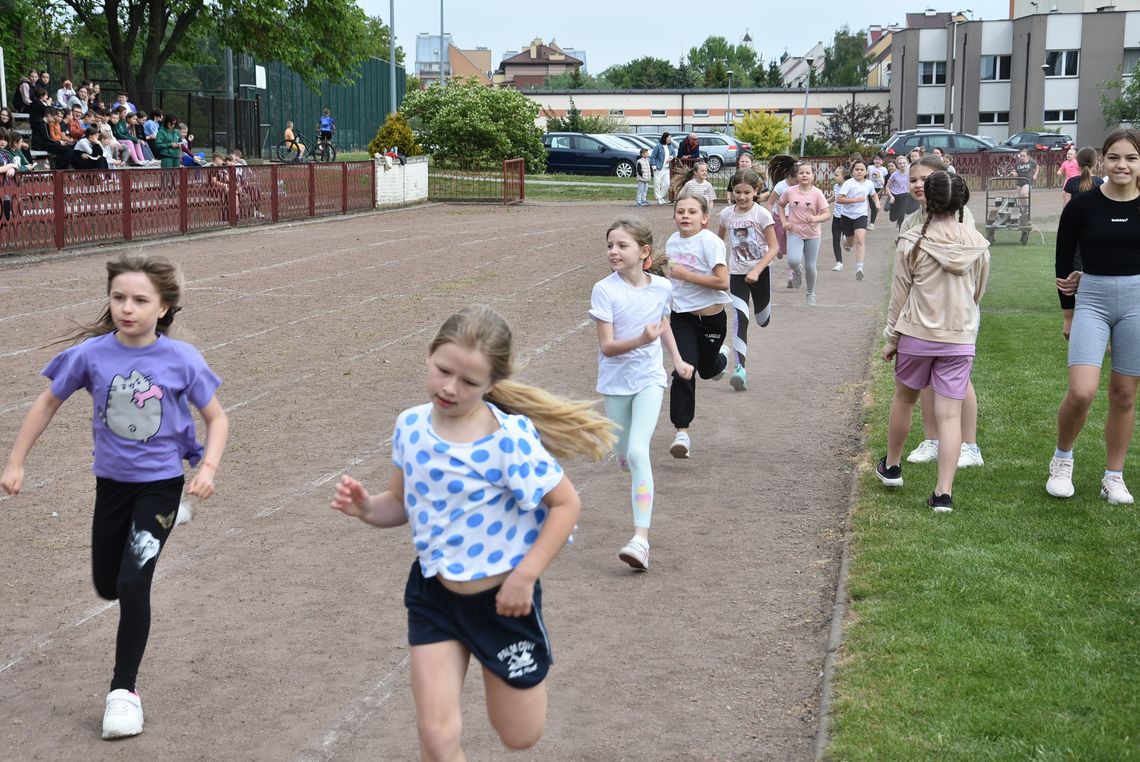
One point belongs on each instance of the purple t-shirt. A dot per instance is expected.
(141, 423)
(908, 345)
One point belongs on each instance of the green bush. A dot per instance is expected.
(395, 132)
(769, 134)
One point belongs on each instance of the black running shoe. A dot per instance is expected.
(889, 475)
(940, 503)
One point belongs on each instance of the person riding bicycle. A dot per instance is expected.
(291, 142)
(326, 127)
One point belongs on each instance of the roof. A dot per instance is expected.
(928, 20)
(542, 55)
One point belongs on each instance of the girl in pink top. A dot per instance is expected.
(802, 207)
(1068, 170)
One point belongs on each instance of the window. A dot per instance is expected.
(617, 112)
(657, 112)
(993, 117)
(931, 73)
(995, 68)
(711, 141)
(1131, 60)
(967, 143)
(1060, 115)
(826, 111)
(1062, 63)
(583, 143)
(931, 120)
(887, 75)
(700, 112)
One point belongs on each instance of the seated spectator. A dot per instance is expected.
(8, 170)
(74, 123)
(6, 120)
(63, 94)
(54, 120)
(96, 98)
(45, 80)
(80, 99)
(114, 153)
(220, 174)
(168, 142)
(40, 116)
(88, 154)
(122, 133)
(151, 127)
(123, 101)
(25, 95)
(18, 147)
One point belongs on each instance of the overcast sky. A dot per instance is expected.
(613, 32)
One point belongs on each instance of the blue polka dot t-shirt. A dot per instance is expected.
(475, 508)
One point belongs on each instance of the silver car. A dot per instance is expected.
(721, 150)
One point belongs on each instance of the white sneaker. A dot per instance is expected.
(969, 457)
(810, 299)
(926, 452)
(636, 554)
(1113, 490)
(838, 267)
(870, 226)
(1060, 482)
(123, 716)
(680, 446)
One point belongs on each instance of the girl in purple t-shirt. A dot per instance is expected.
(142, 383)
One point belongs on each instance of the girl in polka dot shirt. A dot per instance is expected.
(475, 476)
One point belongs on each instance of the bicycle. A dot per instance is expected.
(289, 152)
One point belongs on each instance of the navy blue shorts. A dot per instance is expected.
(514, 648)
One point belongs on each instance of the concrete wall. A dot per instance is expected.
(401, 185)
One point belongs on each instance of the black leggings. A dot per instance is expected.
(761, 294)
(874, 206)
(131, 524)
(837, 237)
(698, 342)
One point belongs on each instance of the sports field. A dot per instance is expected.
(279, 630)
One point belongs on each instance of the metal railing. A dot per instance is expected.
(490, 181)
(45, 210)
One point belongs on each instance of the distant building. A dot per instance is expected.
(1005, 76)
(879, 55)
(457, 62)
(533, 65)
(1019, 8)
(794, 69)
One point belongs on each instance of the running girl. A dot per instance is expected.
(853, 200)
(781, 173)
(699, 271)
(750, 235)
(142, 383)
(838, 176)
(932, 324)
(803, 207)
(631, 310)
(901, 202)
(697, 184)
(1105, 224)
(474, 474)
(877, 174)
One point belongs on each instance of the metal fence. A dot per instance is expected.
(514, 181)
(44, 210)
(503, 182)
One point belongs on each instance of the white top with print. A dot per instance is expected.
(746, 242)
(475, 508)
(700, 253)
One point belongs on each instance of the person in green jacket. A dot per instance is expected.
(167, 144)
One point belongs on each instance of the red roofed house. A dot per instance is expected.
(534, 64)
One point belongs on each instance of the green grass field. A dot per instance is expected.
(1009, 629)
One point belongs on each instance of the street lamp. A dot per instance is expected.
(807, 91)
(728, 107)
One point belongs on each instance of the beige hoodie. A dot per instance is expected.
(935, 295)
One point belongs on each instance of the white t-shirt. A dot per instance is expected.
(629, 310)
(854, 188)
(700, 253)
(746, 242)
(877, 176)
(778, 191)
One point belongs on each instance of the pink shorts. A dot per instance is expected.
(948, 375)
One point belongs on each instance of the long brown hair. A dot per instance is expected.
(167, 280)
(1086, 159)
(566, 427)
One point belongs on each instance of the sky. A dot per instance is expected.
(618, 32)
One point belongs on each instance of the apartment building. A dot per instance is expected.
(1000, 77)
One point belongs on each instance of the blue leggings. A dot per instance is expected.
(637, 415)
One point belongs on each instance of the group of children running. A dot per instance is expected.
(475, 469)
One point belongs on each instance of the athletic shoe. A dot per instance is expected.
(859, 274)
(791, 278)
(870, 226)
(810, 298)
(970, 456)
(680, 446)
(739, 379)
(926, 452)
(838, 267)
(185, 511)
(1060, 482)
(891, 476)
(724, 350)
(636, 554)
(797, 279)
(1113, 490)
(662, 202)
(123, 716)
(940, 503)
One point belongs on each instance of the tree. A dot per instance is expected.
(1124, 108)
(646, 73)
(719, 55)
(855, 124)
(575, 80)
(768, 133)
(320, 39)
(574, 121)
(467, 122)
(774, 78)
(395, 132)
(26, 28)
(845, 60)
(379, 42)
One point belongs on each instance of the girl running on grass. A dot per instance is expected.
(142, 383)
(749, 234)
(927, 449)
(631, 310)
(1101, 305)
(474, 474)
(853, 200)
(932, 324)
(803, 207)
(699, 271)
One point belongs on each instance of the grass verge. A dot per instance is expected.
(1009, 629)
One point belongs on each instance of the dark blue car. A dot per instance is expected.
(581, 154)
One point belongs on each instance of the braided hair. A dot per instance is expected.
(945, 194)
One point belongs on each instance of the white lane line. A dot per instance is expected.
(361, 712)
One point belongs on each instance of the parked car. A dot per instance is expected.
(582, 154)
(638, 141)
(905, 141)
(991, 142)
(721, 150)
(1040, 141)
